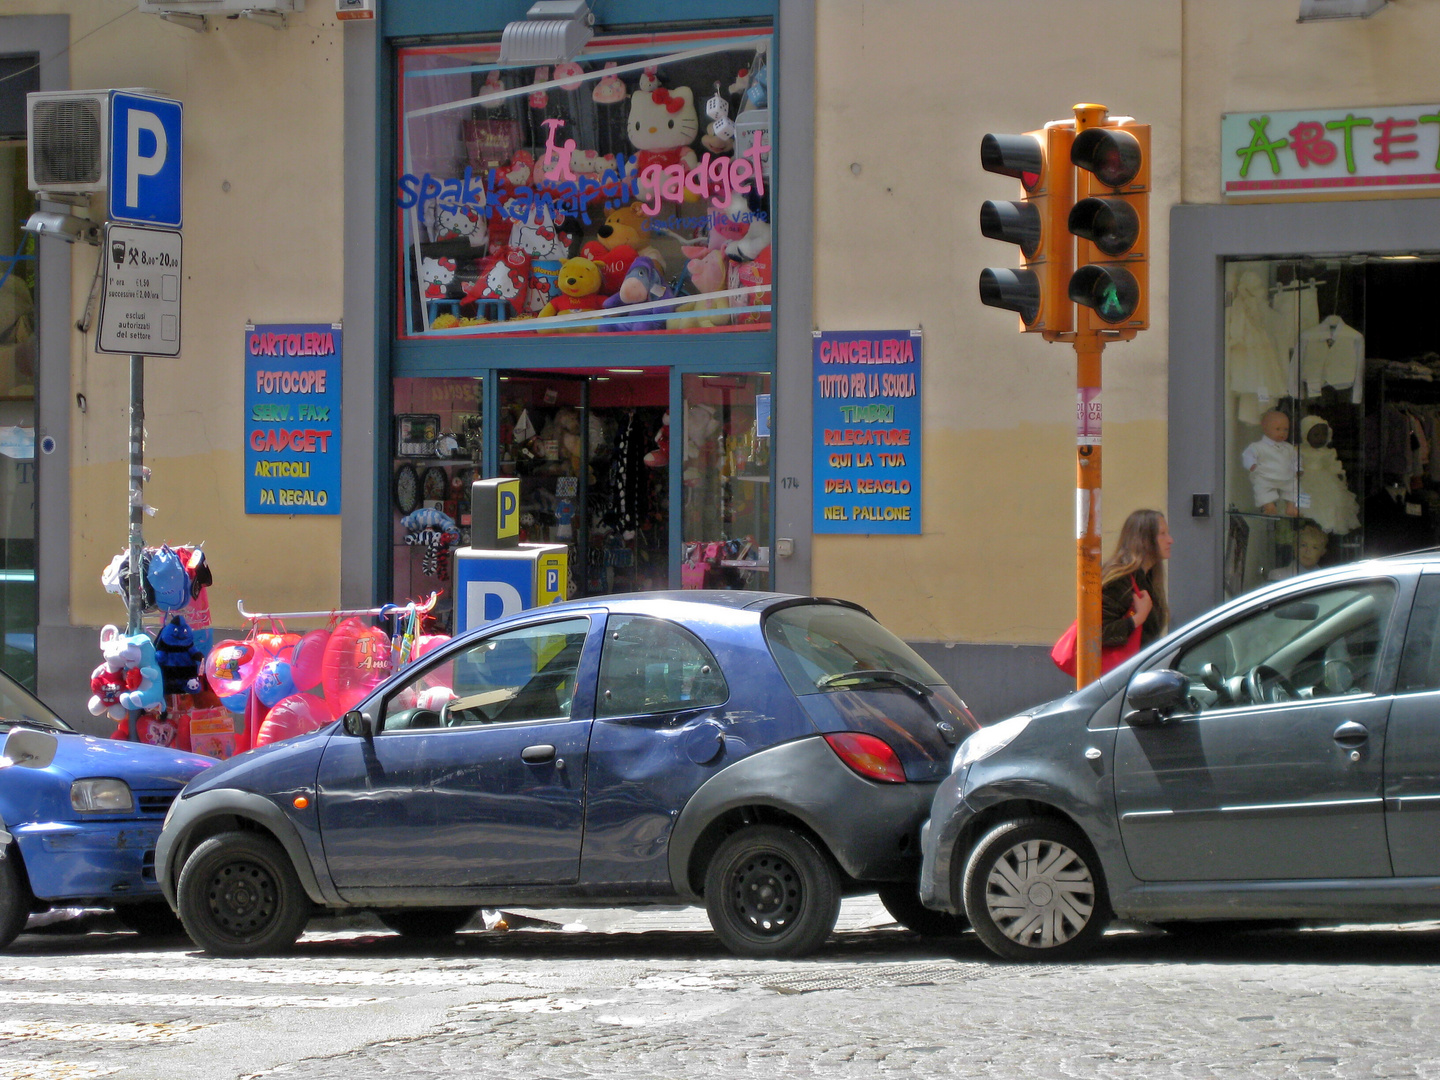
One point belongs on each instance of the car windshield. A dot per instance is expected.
(815, 643)
(19, 706)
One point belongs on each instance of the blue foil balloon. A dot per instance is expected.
(274, 682)
(236, 702)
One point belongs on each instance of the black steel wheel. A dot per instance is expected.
(771, 891)
(152, 920)
(903, 902)
(426, 923)
(239, 896)
(1034, 891)
(14, 898)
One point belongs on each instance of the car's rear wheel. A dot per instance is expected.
(14, 900)
(427, 924)
(903, 902)
(1034, 891)
(154, 920)
(770, 891)
(239, 895)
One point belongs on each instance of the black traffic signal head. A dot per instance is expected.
(1013, 290)
(1020, 156)
(1112, 155)
(1111, 221)
(1112, 225)
(1110, 291)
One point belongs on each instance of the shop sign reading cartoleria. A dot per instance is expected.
(1317, 151)
(866, 388)
(292, 418)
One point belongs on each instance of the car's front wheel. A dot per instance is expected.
(152, 920)
(426, 924)
(1034, 891)
(771, 891)
(239, 895)
(14, 900)
(903, 902)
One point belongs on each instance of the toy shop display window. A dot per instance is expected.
(437, 452)
(628, 191)
(725, 481)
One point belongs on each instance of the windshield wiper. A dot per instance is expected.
(877, 675)
(26, 721)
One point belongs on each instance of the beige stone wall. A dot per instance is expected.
(905, 90)
(262, 203)
(1251, 55)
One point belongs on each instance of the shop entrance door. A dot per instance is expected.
(591, 449)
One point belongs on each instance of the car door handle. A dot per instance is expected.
(537, 754)
(1351, 734)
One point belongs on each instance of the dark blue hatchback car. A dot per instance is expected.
(761, 754)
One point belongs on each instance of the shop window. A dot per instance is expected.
(628, 191)
(725, 478)
(1332, 391)
(437, 452)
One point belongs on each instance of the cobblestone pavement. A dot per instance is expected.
(650, 994)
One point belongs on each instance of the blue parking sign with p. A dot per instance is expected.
(145, 152)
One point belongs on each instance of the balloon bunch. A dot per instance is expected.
(287, 684)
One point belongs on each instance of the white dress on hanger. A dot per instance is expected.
(1332, 354)
(1258, 368)
(1332, 505)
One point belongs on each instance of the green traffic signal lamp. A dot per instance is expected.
(1110, 291)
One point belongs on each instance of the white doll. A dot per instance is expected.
(1333, 505)
(1274, 465)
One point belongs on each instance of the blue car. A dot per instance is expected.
(78, 826)
(757, 753)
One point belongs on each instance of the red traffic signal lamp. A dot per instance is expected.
(1036, 224)
(1111, 219)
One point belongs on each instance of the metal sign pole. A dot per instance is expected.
(136, 604)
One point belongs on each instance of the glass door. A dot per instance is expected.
(592, 451)
(725, 481)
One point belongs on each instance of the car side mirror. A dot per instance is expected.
(29, 748)
(356, 723)
(1154, 695)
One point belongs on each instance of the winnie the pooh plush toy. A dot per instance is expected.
(579, 283)
(625, 232)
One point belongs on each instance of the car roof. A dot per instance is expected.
(701, 599)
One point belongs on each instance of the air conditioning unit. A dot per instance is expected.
(68, 138)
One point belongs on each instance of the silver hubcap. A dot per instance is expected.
(1040, 894)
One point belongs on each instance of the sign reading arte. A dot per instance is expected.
(292, 419)
(1317, 150)
(867, 431)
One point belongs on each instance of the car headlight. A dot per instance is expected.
(988, 740)
(104, 795)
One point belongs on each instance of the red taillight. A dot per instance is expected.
(872, 758)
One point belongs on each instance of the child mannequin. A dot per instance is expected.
(1274, 464)
(1310, 546)
(1333, 505)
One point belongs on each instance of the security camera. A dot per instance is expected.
(67, 227)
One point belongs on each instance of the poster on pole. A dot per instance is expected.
(866, 387)
(292, 418)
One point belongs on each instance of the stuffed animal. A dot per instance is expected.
(579, 288)
(437, 274)
(538, 235)
(113, 677)
(177, 657)
(504, 276)
(660, 456)
(661, 126)
(564, 430)
(458, 221)
(708, 274)
(644, 282)
(609, 90)
(625, 231)
(148, 692)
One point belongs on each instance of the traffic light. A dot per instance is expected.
(1040, 160)
(1111, 221)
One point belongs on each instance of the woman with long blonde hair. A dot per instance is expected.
(1132, 581)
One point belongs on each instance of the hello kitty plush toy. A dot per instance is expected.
(661, 126)
(505, 276)
(437, 274)
(459, 221)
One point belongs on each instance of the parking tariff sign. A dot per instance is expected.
(140, 301)
(145, 150)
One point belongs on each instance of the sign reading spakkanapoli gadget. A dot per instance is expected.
(292, 419)
(866, 387)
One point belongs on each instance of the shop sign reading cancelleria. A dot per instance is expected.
(866, 389)
(292, 418)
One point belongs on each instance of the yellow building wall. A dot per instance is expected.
(905, 91)
(1252, 55)
(263, 165)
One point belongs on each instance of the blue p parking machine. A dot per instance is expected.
(497, 575)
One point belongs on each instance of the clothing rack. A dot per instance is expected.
(422, 607)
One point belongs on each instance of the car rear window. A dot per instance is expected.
(813, 641)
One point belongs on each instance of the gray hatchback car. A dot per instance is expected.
(1275, 759)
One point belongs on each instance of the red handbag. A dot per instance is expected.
(1111, 656)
